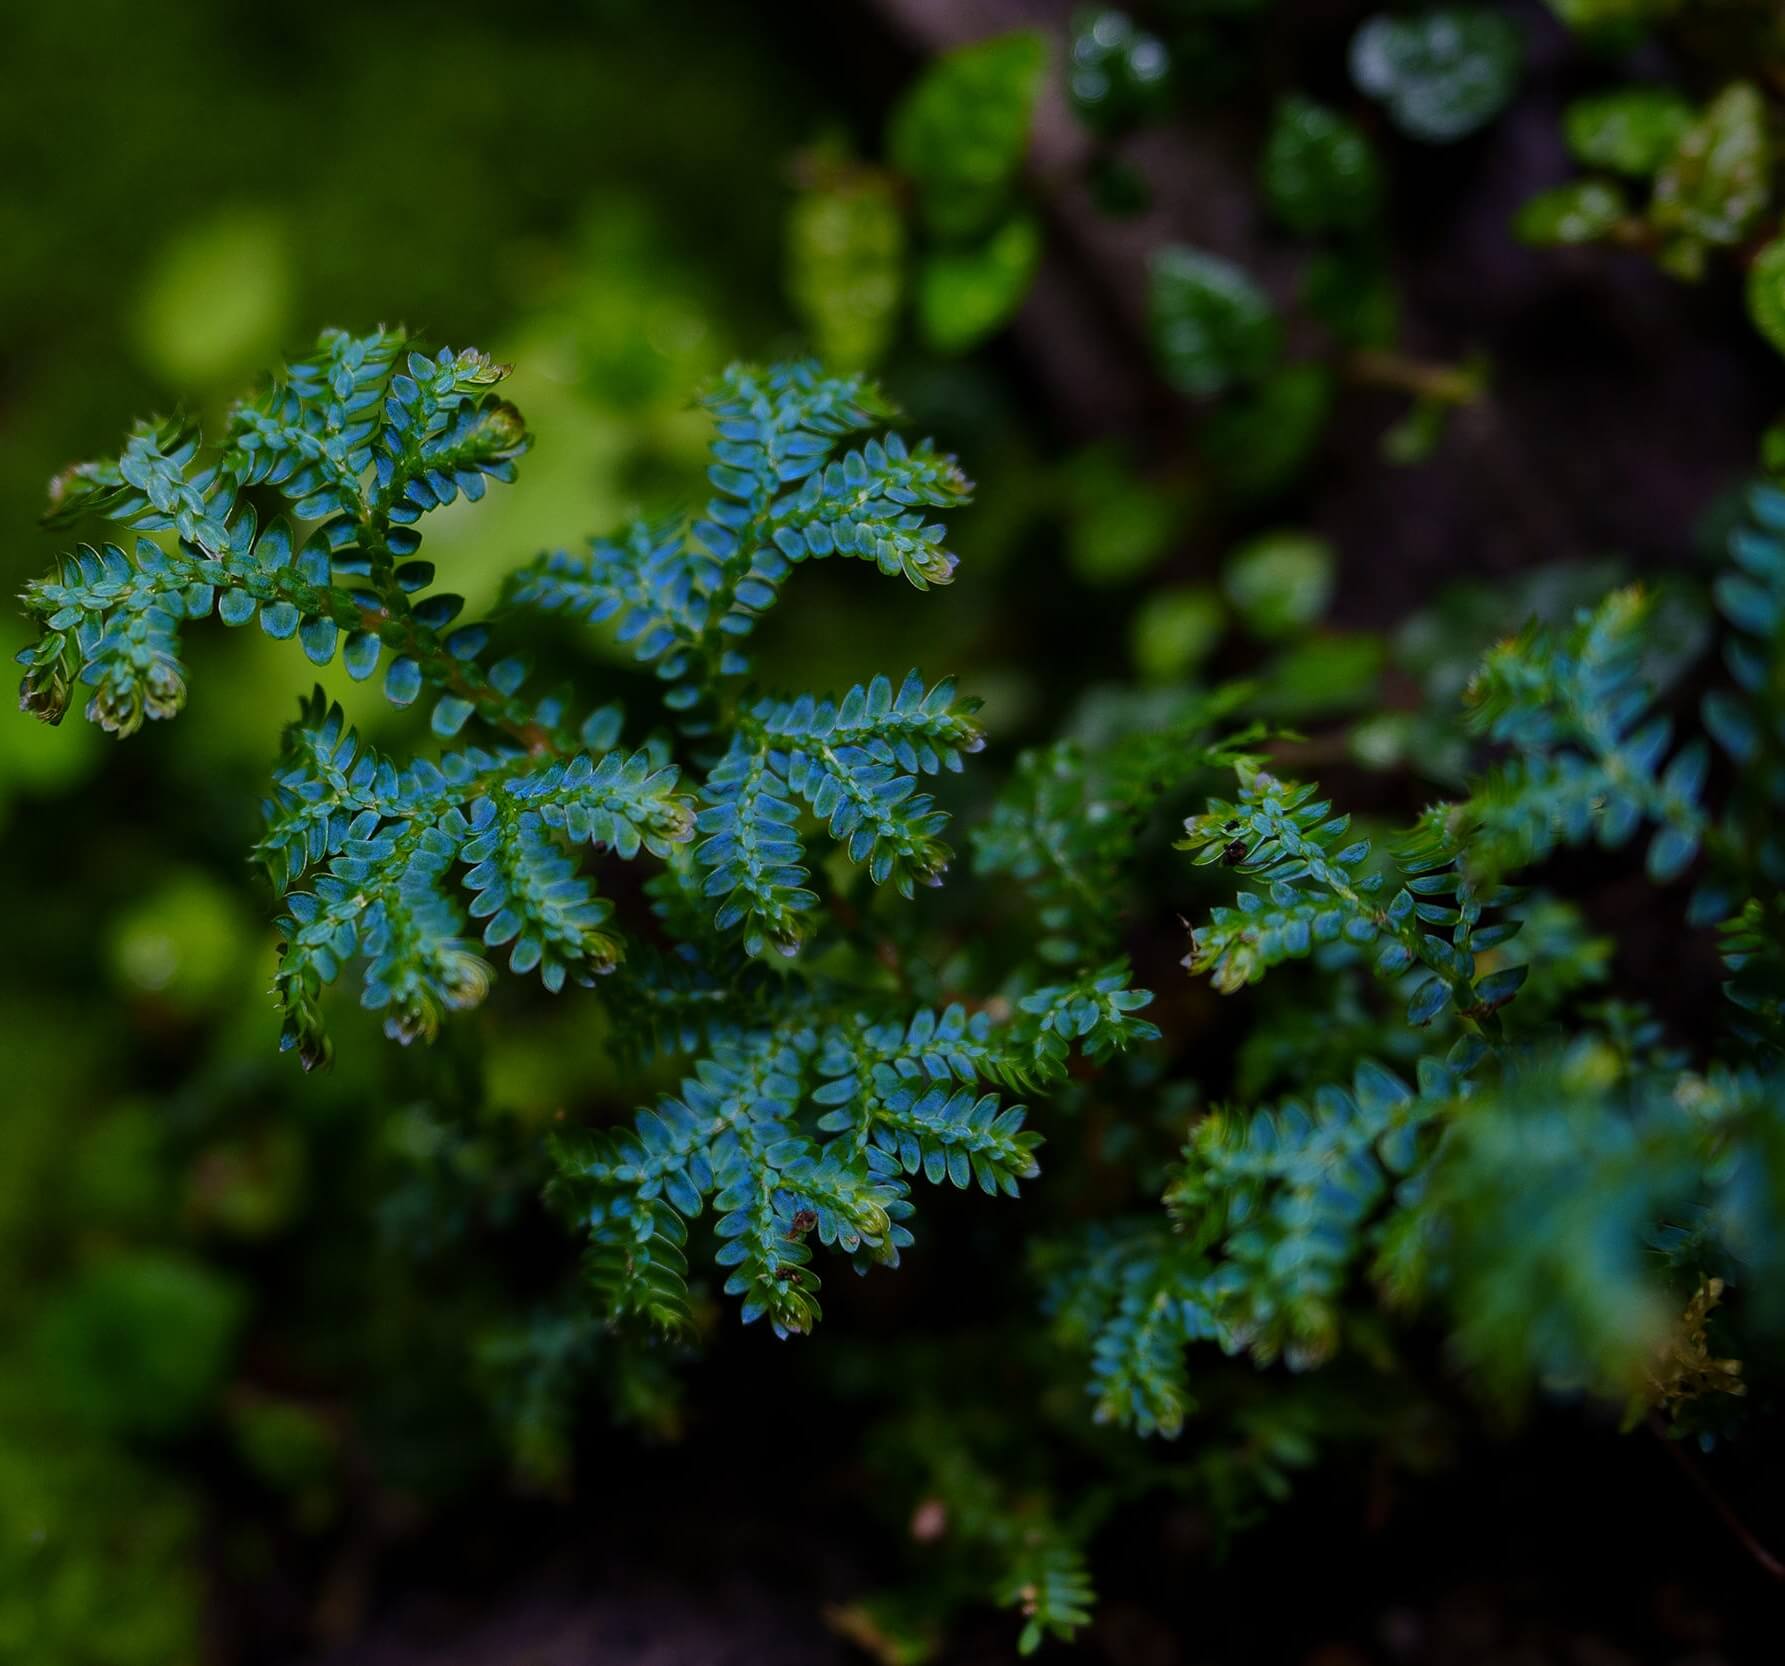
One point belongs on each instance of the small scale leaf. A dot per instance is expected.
(1428, 1001)
(402, 682)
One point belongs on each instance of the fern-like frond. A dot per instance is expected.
(1049, 1584)
(360, 448)
(1004, 1539)
(785, 495)
(680, 1001)
(378, 844)
(1555, 1191)
(851, 765)
(1744, 891)
(866, 1065)
(729, 1136)
(1592, 755)
(1067, 824)
(1319, 888)
(1752, 944)
(1286, 1200)
(1751, 598)
(807, 1128)
(367, 436)
(1318, 892)
(645, 579)
(687, 594)
(155, 484)
(1132, 1295)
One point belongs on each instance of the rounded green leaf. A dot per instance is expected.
(1631, 131)
(402, 682)
(1441, 74)
(1497, 988)
(1585, 211)
(279, 619)
(1280, 583)
(965, 294)
(318, 637)
(1319, 172)
(1766, 292)
(1714, 185)
(1119, 76)
(1428, 1001)
(961, 133)
(360, 655)
(1670, 853)
(1213, 327)
(1174, 631)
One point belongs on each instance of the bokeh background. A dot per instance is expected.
(238, 1401)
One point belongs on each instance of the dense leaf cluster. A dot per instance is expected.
(811, 1101)
(1525, 1179)
(1438, 1110)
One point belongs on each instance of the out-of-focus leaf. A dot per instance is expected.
(846, 265)
(963, 294)
(101, 1556)
(961, 132)
(1174, 631)
(1213, 327)
(216, 300)
(1441, 74)
(1631, 131)
(1714, 186)
(122, 1180)
(248, 1187)
(1118, 525)
(138, 1344)
(288, 1446)
(1280, 583)
(1319, 171)
(1119, 76)
(1418, 434)
(1612, 21)
(1322, 675)
(1766, 292)
(1583, 211)
(182, 942)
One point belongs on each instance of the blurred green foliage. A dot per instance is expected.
(1214, 327)
(956, 143)
(1441, 74)
(1120, 73)
(1319, 172)
(962, 132)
